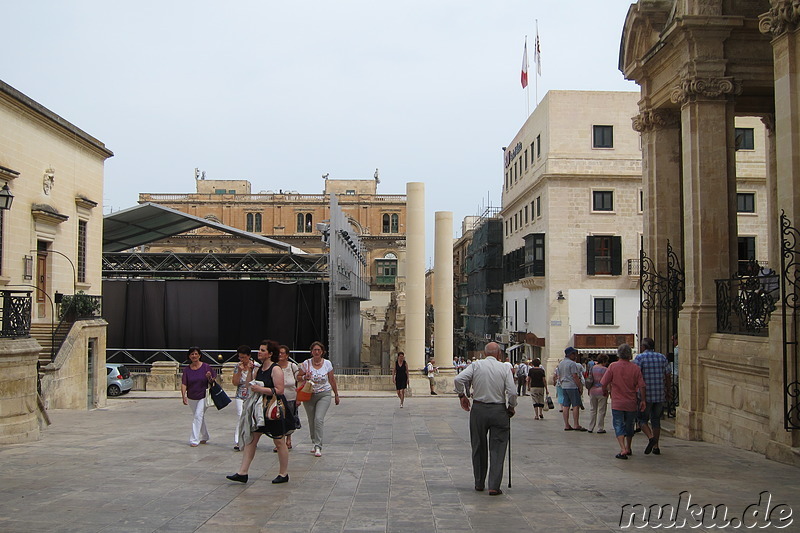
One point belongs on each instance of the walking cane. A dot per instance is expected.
(509, 452)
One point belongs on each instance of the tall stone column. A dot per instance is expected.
(443, 287)
(782, 22)
(19, 420)
(415, 275)
(709, 193)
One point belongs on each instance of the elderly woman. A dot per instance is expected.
(271, 375)
(319, 371)
(194, 386)
(242, 375)
(623, 380)
(290, 372)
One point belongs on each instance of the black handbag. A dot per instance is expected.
(218, 396)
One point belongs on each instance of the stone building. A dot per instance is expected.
(701, 66)
(572, 220)
(291, 217)
(50, 245)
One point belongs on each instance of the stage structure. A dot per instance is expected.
(348, 286)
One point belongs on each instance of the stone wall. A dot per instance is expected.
(19, 421)
(64, 383)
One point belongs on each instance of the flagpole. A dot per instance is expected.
(527, 86)
(536, 74)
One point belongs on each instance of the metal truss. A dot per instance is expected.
(289, 267)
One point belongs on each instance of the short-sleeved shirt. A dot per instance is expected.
(319, 376)
(566, 369)
(597, 375)
(537, 377)
(654, 367)
(196, 381)
(625, 379)
(242, 389)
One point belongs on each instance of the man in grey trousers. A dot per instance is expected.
(493, 401)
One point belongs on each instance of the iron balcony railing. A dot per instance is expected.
(745, 304)
(15, 321)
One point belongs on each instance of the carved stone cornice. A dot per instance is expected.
(783, 16)
(691, 88)
(655, 119)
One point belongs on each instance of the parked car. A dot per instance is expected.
(119, 379)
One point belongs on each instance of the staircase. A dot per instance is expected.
(43, 333)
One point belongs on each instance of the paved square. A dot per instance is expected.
(128, 468)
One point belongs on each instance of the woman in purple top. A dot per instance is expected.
(194, 384)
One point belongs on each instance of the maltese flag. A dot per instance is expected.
(524, 78)
(537, 55)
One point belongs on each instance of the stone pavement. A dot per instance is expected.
(128, 468)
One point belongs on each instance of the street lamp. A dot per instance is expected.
(6, 198)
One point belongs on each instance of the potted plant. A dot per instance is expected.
(79, 305)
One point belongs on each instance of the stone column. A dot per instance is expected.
(415, 276)
(709, 184)
(19, 419)
(782, 22)
(443, 287)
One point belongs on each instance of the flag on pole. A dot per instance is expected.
(537, 54)
(524, 78)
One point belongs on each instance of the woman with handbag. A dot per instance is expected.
(400, 377)
(290, 371)
(242, 375)
(194, 386)
(319, 371)
(271, 375)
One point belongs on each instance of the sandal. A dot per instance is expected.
(621, 456)
(579, 428)
(569, 428)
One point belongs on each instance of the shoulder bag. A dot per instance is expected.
(274, 410)
(218, 396)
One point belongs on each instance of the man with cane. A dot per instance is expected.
(494, 398)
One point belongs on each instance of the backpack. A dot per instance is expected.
(521, 370)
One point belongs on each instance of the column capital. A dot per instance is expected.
(655, 119)
(693, 87)
(783, 16)
(769, 122)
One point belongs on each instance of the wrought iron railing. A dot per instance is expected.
(745, 304)
(15, 314)
(633, 267)
(790, 321)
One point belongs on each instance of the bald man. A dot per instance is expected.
(494, 398)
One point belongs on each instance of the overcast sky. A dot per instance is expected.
(280, 93)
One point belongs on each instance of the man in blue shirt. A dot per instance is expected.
(658, 388)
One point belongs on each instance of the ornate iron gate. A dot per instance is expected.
(660, 300)
(790, 297)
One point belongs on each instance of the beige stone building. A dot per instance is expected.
(50, 245)
(291, 217)
(572, 222)
(702, 65)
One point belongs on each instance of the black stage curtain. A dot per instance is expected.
(213, 314)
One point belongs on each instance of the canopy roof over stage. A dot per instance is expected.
(149, 222)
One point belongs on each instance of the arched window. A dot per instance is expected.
(309, 223)
(257, 225)
(395, 223)
(300, 222)
(249, 222)
(386, 224)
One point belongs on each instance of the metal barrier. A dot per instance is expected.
(745, 304)
(15, 314)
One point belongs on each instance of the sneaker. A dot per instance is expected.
(433, 393)
(281, 479)
(236, 448)
(317, 453)
(238, 477)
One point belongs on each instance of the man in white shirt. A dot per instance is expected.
(493, 401)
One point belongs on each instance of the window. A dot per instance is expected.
(526, 310)
(395, 223)
(350, 192)
(249, 222)
(533, 144)
(526, 160)
(538, 206)
(257, 227)
(534, 254)
(602, 200)
(385, 271)
(744, 139)
(82, 227)
(604, 311)
(641, 200)
(538, 146)
(746, 202)
(603, 255)
(526, 214)
(746, 253)
(602, 136)
(305, 223)
(220, 191)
